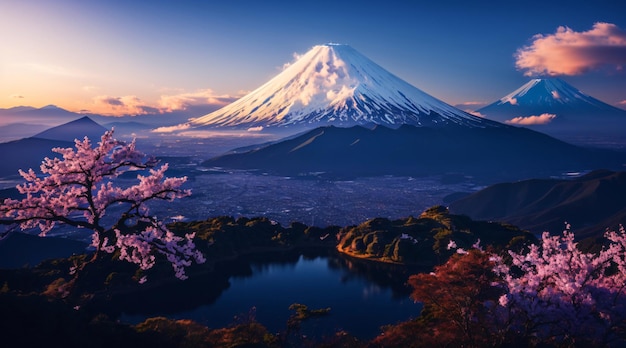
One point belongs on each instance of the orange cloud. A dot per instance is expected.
(532, 120)
(475, 113)
(171, 129)
(184, 100)
(133, 105)
(568, 52)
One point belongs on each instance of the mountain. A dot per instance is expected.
(77, 129)
(334, 84)
(26, 153)
(48, 115)
(553, 106)
(15, 131)
(490, 153)
(591, 203)
(29, 152)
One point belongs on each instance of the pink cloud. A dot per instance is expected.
(623, 102)
(119, 106)
(475, 113)
(184, 100)
(532, 120)
(171, 129)
(133, 105)
(472, 105)
(568, 52)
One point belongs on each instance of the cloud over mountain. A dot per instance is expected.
(532, 120)
(568, 52)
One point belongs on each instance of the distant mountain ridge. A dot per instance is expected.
(77, 129)
(508, 152)
(29, 152)
(334, 84)
(591, 203)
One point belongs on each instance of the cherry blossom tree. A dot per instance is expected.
(79, 188)
(559, 294)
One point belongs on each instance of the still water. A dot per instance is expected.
(362, 296)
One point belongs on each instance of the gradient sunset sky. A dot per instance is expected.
(132, 57)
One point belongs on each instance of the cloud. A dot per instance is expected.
(470, 105)
(134, 106)
(568, 52)
(532, 120)
(171, 129)
(475, 113)
(255, 129)
(295, 56)
(222, 134)
(182, 101)
(623, 102)
(555, 94)
(120, 106)
(17, 96)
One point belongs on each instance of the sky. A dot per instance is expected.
(118, 57)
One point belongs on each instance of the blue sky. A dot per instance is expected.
(121, 57)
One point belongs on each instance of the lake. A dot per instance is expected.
(362, 296)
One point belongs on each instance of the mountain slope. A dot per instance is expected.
(508, 152)
(77, 129)
(29, 152)
(47, 115)
(334, 84)
(565, 109)
(590, 203)
(26, 153)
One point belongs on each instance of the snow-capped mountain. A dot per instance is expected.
(333, 84)
(554, 106)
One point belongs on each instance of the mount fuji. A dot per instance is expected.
(333, 84)
(553, 106)
(360, 120)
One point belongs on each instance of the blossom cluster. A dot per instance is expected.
(555, 292)
(79, 189)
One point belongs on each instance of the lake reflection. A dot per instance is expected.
(362, 296)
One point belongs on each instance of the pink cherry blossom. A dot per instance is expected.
(555, 291)
(79, 189)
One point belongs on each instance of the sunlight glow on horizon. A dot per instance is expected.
(116, 58)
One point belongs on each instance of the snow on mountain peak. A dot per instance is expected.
(544, 91)
(557, 107)
(335, 84)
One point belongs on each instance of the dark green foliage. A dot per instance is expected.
(34, 321)
(424, 240)
(102, 285)
(223, 236)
